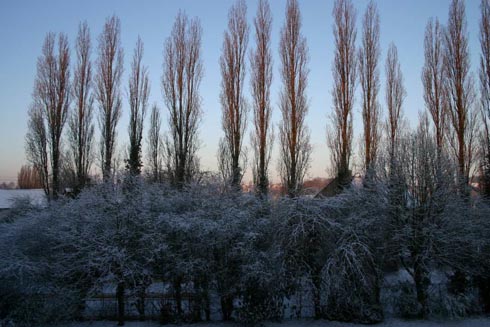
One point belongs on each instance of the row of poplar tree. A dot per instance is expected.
(460, 122)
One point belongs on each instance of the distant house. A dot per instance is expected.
(9, 197)
(333, 186)
(476, 185)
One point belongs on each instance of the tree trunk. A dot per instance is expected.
(205, 299)
(140, 303)
(484, 289)
(178, 296)
(120, 303)
(422, 281)
(226, 307)
(207, 307)
(316, 278)
(56, 185)
(197, 302)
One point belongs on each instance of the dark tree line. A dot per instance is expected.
(29, 178)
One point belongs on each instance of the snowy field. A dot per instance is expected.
(474, 322)
(7, 197)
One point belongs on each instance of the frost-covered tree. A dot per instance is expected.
(248, 255)
(423, 196)
(305, 239)
(427, 231)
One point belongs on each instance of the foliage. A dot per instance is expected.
(253, 252)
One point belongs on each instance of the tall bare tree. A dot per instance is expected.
(36, 145)
(369, 78)
(261, 80)
(294, 136)
(81, 127)
(155, 146)
(182, 75)
(459, 86)
(344, 72)
(108, 94)
(433, 78)
(139, 91)
(233, 103)
(52, 95)
(485, 88)
(395, 94)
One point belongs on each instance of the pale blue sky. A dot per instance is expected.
(24, 24)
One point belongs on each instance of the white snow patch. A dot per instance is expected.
(7, 197)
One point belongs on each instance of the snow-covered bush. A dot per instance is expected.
(353, 271)
(21, 206)
(433, 225)
(262, 282)
(31, 287)
(305, 237)
(246, 256)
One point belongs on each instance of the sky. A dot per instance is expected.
(24, 24)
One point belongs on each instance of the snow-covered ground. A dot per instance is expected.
(473, 322)
(8, 197)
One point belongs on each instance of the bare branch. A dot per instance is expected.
(459, 87)
(36, 146)
(485, 89)
(181, 81)
(52, 96)
(139, 91)
(155, 146)
(369, 78)
(81, 127)
(433, 78)
(108, 81)
(395, 94)
(233, 103)
(344, 72)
